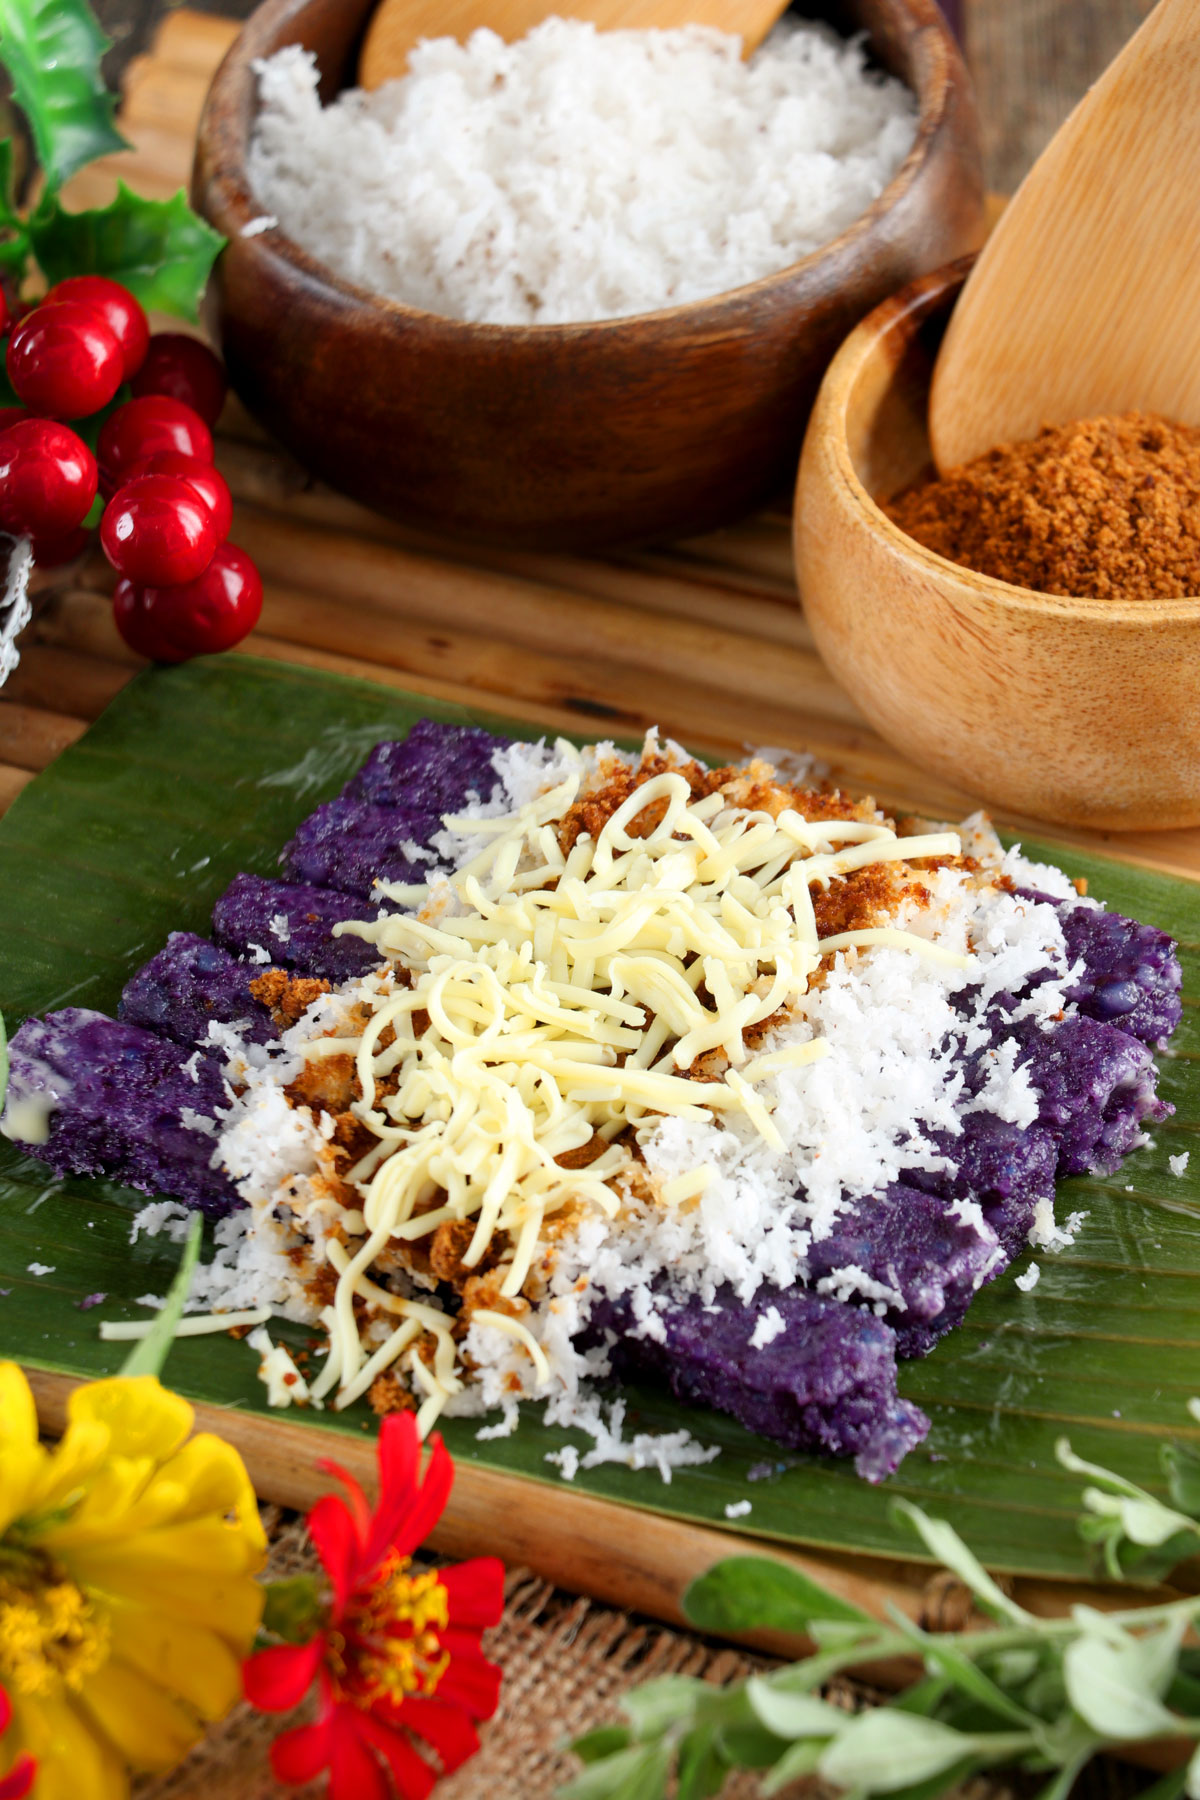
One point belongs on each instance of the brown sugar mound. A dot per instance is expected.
(1107, 508)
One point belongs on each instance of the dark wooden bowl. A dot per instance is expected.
(567, 436)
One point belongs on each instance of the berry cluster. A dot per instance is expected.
(183, 589)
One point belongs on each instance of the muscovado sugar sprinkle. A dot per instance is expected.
(1108, 508)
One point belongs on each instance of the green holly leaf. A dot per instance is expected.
(159, 249)
(14, 239)
(52, 51)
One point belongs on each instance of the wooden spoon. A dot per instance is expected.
(1086, 299)
(398, 24)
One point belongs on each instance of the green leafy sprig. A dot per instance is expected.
(1039, 1695)
(159, 249)
(150, 1353)
(1134, 1532)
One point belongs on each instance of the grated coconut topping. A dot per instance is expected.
(576, 174)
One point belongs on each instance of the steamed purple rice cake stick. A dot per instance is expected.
(908, 1257)
(289, 925)
(381, 824)
(191, 984)
(90, 1095)
(1096, 1091)
(1132, 975)
(435, 769)
(824, 1379)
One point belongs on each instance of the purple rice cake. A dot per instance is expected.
(90, 1095)
(380, 827)
(188, 985)
(819, 1376)
(1130, 975)
(916, 1259)
(1007, 1170)
(434, 770)
(289, 925)
(691, 1073)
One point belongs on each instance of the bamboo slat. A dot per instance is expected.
(192, 41)
(415, 588)
(12, 780)
(260, 475)
(62, 679)
(166, 99)
(31, 736)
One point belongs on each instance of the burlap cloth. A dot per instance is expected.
(566, 1664)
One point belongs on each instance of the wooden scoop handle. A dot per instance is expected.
(1086, 299)
(399, 24)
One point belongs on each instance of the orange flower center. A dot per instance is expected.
(389, 1645)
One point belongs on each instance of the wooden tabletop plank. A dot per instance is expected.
(32, 736)
(12, 782)
(59, 678)
(400, 586)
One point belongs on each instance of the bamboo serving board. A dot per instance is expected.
(705, 638)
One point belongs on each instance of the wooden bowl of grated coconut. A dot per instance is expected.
(580, 290)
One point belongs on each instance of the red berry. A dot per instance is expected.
(64, 360)
(141, 628)
(209, 614)
(187, 370)
(126, 319)
(53, 552)
(212, 488)
(47, 479)
(12, 415)
(158, 531)
(142, 428)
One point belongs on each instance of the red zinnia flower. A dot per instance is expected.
(17, 1783)
(397, 1654)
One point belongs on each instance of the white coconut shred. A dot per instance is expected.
(576, 174)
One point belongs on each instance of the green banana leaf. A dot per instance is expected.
(197, 772)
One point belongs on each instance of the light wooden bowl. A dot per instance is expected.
(572, 436)
(1085, 712)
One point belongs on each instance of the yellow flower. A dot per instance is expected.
(127, 1591)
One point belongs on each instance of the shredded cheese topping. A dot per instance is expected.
(564, 1002)
(132, 1331)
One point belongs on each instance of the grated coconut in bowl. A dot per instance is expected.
(579, 175)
